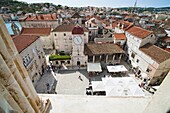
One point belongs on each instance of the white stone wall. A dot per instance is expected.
(93, 28)
(144, 61)
(64, 43)
(149, 39)
(61, 42)
(40, 24)
(118, 30)
(122, 42)
(135, 42)
(36, 54)
(78, 51)
(47, 41)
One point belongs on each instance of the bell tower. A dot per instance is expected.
(78, 57)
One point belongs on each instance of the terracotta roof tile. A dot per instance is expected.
(97, 49)
(42, 17)
(167, 49)
(114, 24)
(76, 15)
(23, 41)
(119, 36)
(36, 31)
(77, 30)
(156, 53)
(139, 32)
(66, 28)
(166, 39)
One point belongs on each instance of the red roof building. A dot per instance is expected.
(23, 41)
(156, 53)
(139, 32)
(36, 31)
(77, 30)
(43, 17)
(119, 36)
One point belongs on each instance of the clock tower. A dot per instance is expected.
(78, 40)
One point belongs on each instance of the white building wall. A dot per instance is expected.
(64, 43)
(36, 54)
(144, 61)
(61, 42)
(118, 30)
(149, 39)
(47, 41)
(122, 42)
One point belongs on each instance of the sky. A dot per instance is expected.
(105, 3)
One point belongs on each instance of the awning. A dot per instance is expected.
(122, 86)
(117, 68)
(94, 67)
(98, 86)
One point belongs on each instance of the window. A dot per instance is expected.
(133, 55)
(56, 62)
(137, 60)
(64, 34)
(68, 62)
(139, 72)
(148, 69)
(62, 62)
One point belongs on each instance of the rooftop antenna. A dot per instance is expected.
(134, 7)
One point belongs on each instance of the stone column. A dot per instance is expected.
(8, 80)
(6, 95)
(113, 58)
(13, 60)
(100, 57)
(106, 58)
(120, 57)
(93, 58)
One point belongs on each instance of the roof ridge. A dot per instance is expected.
(161, 49)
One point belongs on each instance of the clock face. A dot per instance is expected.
(78, 40)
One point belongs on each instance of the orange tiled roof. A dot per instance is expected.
(139, 32)
(98, 49)
(156, 53)
(166, 39)
(23, 41)
(114, 24)
(167, 49)
(120, 36)
(42, 17)
(36, 31)
(77, 30)
(67, 28)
